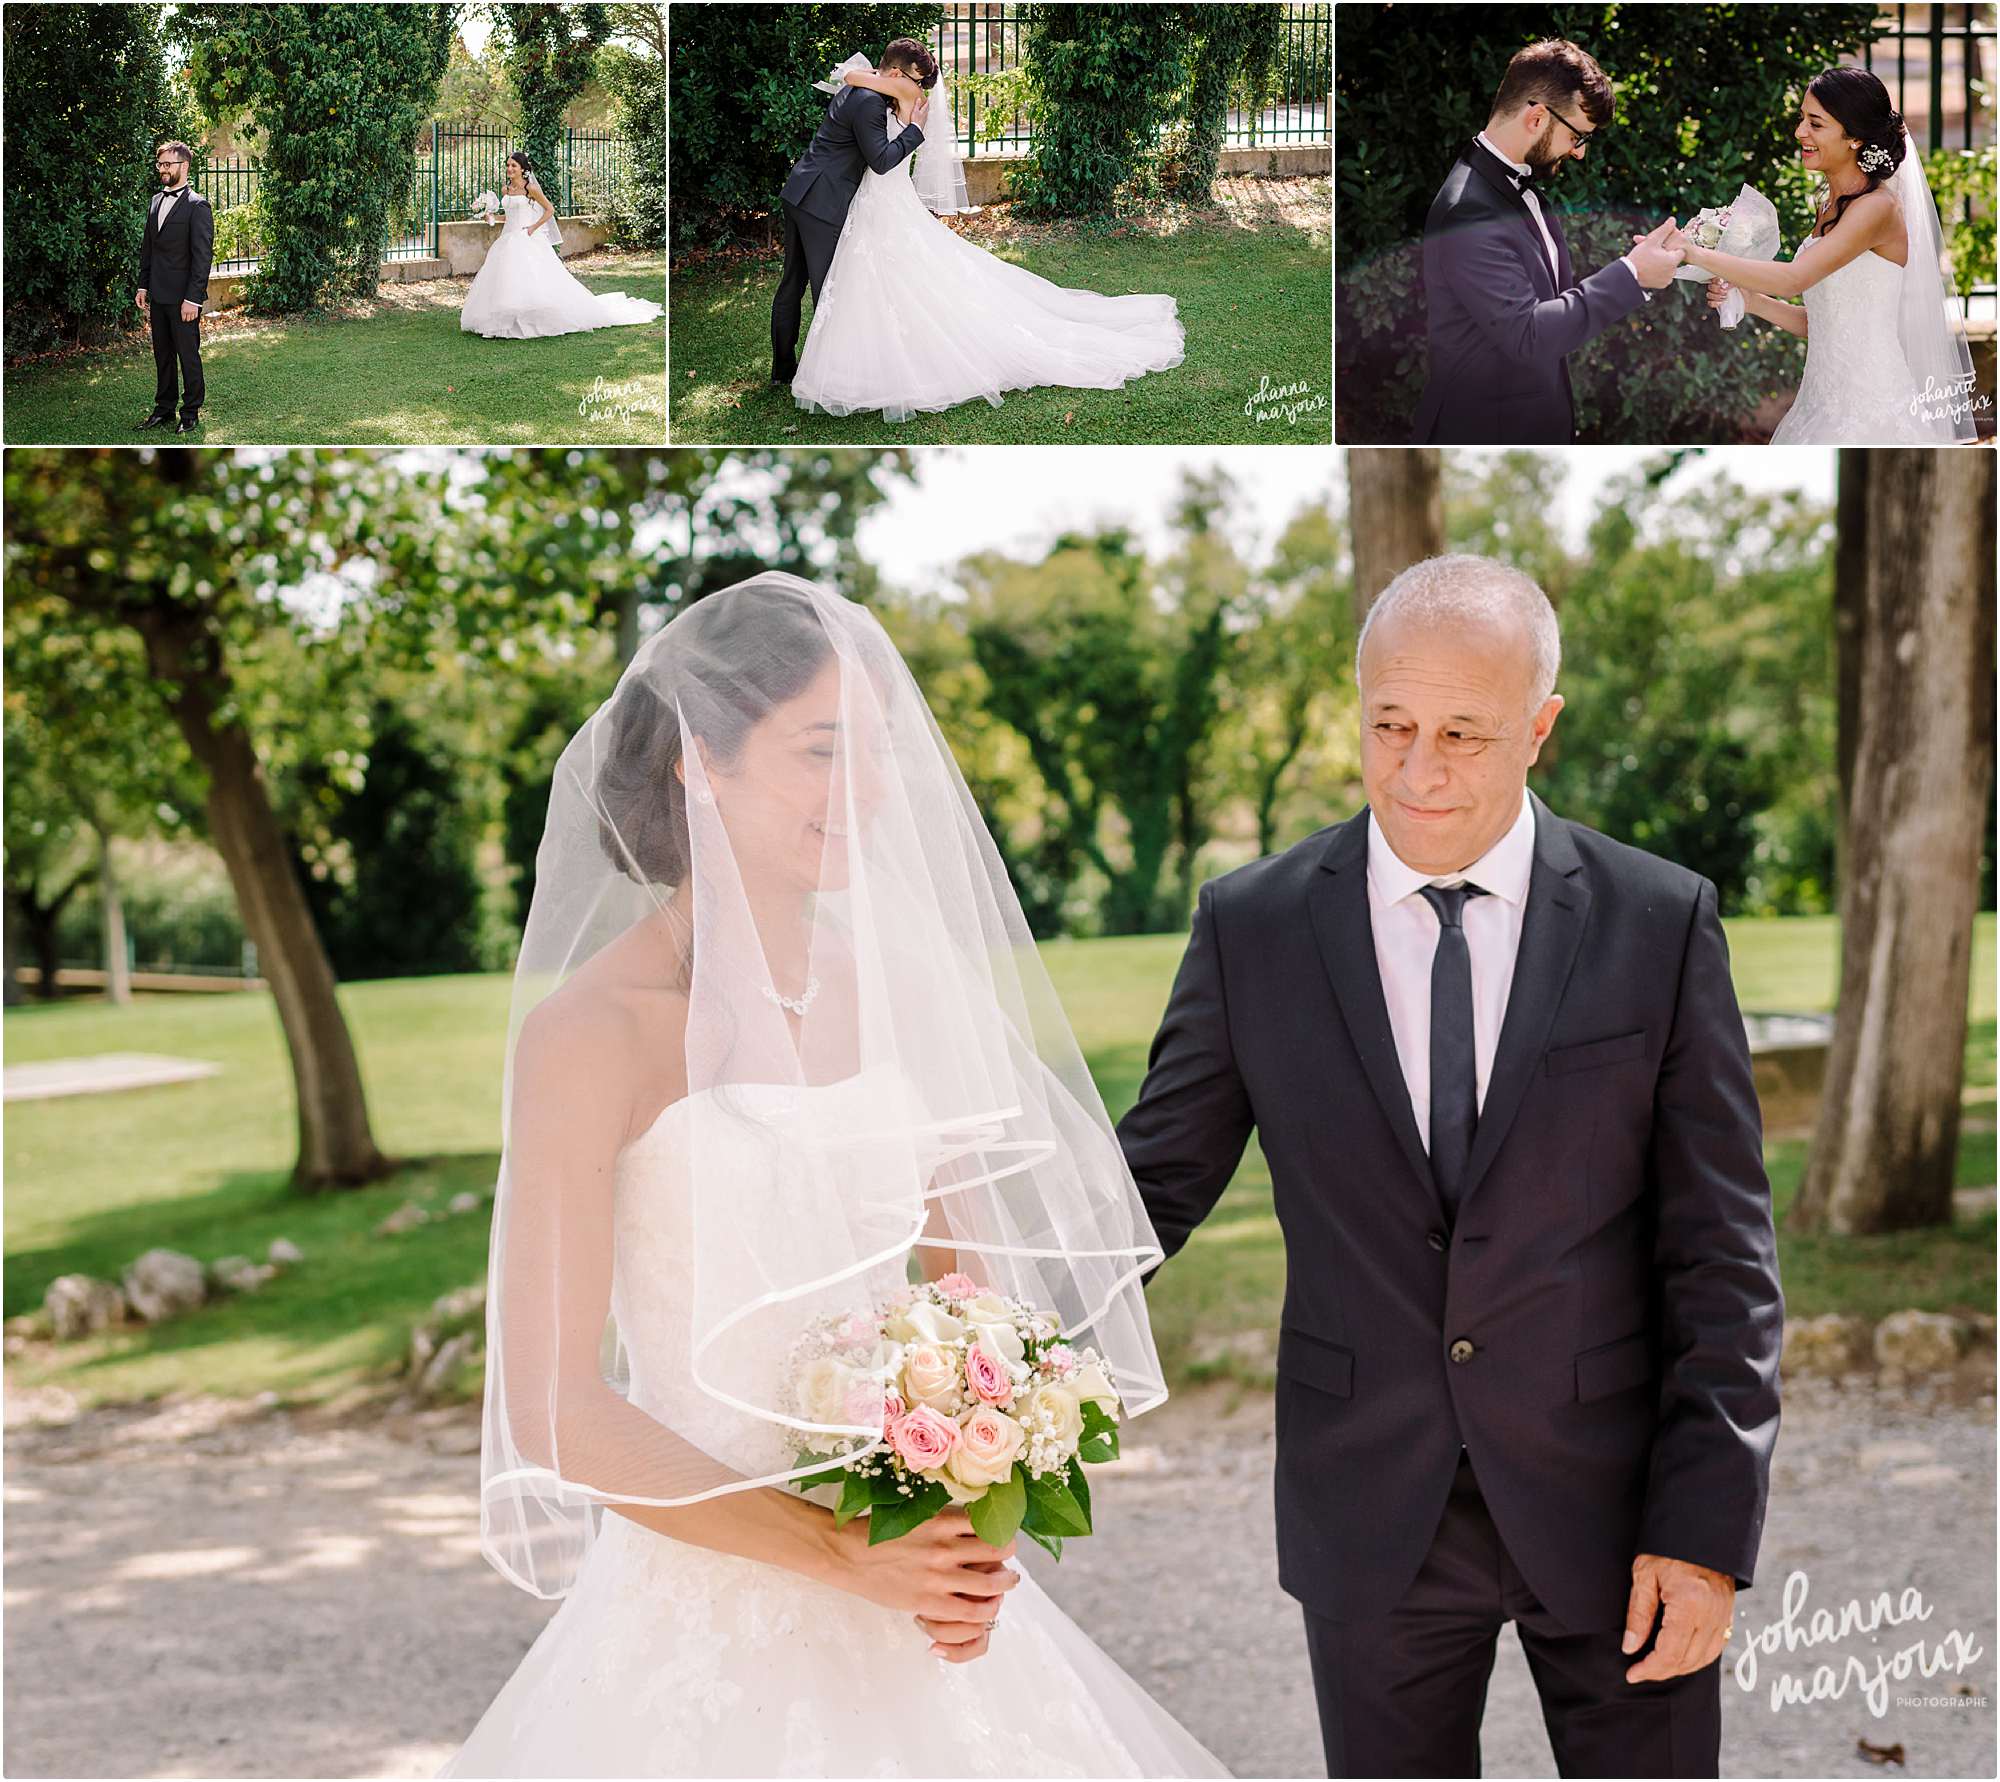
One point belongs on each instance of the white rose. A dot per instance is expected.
(1002, 1339)
(988, 1308)
(925, 1323)
(1063, 1410)
(1090, 1386)
(989, 1442)
(931, 1377)
(823, 1389)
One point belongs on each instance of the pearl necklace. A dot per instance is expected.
(797, 1004)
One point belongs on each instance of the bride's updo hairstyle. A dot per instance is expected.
(908, 56)
(758, 648)
(521, 161)
(1858, 102)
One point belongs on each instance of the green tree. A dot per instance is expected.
(88, 97)
(1232, 50)
(340, 94)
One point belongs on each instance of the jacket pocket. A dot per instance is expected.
(1315, 1362)
(1593, 1053)
(1614, 1367)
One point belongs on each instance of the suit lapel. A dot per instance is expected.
(1562, 246)
(1346, 938)
(1551, 931)
(1497, 174)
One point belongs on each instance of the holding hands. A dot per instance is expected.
(1656, 256)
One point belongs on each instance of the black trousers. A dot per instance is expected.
(1403, 1694)
(809, 245)
(176, 346)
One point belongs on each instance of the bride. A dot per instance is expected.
(1886, 356)
(914, 318)
(779, 1041)
(522, 290)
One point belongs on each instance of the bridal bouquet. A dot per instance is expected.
(488, 203)
(1748, 227)
(983, 1405)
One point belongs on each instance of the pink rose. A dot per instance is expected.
(1061, 1359)
(864, 1399)
(957, 1287)
(987, 1375)
(856, 1330)
(923, 1439)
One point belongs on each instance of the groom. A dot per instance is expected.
(1503, 305)
(853, 137)
(174, 258)
(1528, 1355)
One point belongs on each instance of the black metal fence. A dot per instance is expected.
(454, 164)
(985, 40)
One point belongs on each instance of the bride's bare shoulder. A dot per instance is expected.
(619, 1020)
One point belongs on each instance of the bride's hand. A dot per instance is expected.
(940, 1572)
(1718, 292)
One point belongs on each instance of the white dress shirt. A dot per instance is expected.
(1534, 205)
(1406, 936)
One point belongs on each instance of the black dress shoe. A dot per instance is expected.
(154, 420)
(186, 424)
(784, 377)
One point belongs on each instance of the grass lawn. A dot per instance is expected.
(396, 371)
(93, 1180)
(1251, 274)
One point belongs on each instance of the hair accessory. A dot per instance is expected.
(1876, 159)
(704, 796)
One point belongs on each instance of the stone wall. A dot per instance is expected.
(986, 175)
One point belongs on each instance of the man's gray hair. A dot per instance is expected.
(1463, 589)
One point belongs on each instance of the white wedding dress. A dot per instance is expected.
(523, 291)
(671, 1660)
(913, 318)
(1857, 388)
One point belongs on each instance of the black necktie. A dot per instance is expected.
(1454, 1071)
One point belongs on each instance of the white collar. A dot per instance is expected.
(1503, 870)
(1518, 166)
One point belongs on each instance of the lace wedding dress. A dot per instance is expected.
(672, 1660)
(913, 318)
(523, 290)
(1858, 389)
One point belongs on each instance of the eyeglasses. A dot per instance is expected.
(1582, 136)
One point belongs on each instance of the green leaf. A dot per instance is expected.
(1079, 1488)
(1097, 1450)
(1053, 1542)
(1054, 1507)
(1098, 1422)
(854, 1498)
(887, 1521)
(997, 1516)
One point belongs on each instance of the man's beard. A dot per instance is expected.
(1542, 155)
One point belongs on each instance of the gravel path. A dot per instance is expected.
(211, 1589)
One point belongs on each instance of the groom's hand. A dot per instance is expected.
(139, 297)
(1695, 1606)
(189, 311)
(1653, 260)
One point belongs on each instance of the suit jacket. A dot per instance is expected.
(1499, 323)
(174, 259)
(1612, 1265)
(852, 137)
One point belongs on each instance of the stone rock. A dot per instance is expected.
(284, 1252)
(460, 1302)
(406, 1217)
(238, 1274)
(1920, 1342)
(439, 1370)
(1830, 1345)
(465, 1202)
(165, 1283)
(80, 1305)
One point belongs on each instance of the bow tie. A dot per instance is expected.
(1522, 180)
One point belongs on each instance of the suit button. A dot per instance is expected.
(1435, 1239)
(1461, 1351)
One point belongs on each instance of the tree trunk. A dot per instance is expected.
(1885, 1152)
(336, 1146)
(1395, 502)
(1850, 605)
(117, 968)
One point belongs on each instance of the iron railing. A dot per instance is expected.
(454, 164)
(986, 40)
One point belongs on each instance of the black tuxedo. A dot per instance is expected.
(174, 260)
(852, 138)
(1612, 1264)
(1500, 323)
